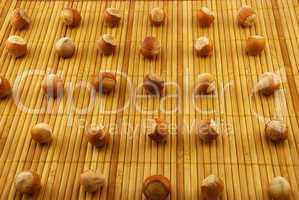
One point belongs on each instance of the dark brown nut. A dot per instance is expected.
(5, 88)
(212, 187)
(156, 187)
(276, 130)
(53, 85)
(255, 45)
(97, 135)
(246, 16)
(205, 84)
(92, 181)
(42, 133)
(104, 82)
(207, 130)
(16, 46)
(112, 17)
(27, 182)
(153, 84)
(159, 130)
(279, 189)
(205, 17)
(71, 17)
(157, 16)
(203, 47)
(269, 82)
(150, 47)
(19, 19)
(65, 47)
(106, 44)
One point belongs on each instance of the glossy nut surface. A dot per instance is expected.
(19, 19)
(150, 47)
(156, 187)
(97, 135)
(268, 83)
(159, 130)
(71, 17)
(41, 133)
(276, 130)
(27, 182)
(205, 17)
(65, 47)
(207, 130)
(5, 87)
(153, 84)
(157, 16)
(246, 16)
(104, 82)
(16, 46)
(53, 85)
(112, 17)
(205, 84)
(107, 44)
(279, 188)
(92, 181)
(255, 45)
(203, 47)
(212, 187)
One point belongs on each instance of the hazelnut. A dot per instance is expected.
(53, 85)
(206, 84)
(92, 181)
(42, 133)
(212, 187)
(150, 47)
(159, 130)
(276, 130)
(97, 135)
(279, 188)
(255, 45)
(5, 88)
(65, 47)
(112, 16)
(71, 17)
(153, 84)
(269, 82)
(156, 187)
(106, 44)
(104, 82)
(27, 182)
(157, 16)
(205, 17)
(19, 19)
(16, 46)
(203, 47)
(207, 130)
(246, 16)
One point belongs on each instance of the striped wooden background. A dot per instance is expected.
(241, 156)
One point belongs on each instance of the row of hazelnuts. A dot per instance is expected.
(155, 187)
(150, 48)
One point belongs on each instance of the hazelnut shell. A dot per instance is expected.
(5, 88)
(19, 19)
(53, 85)
(206, 84)
(276, 131)
(207, 130)
(268, 84)
(255, 45)
(153, 84)
(97, 136)
(65, 47)
(104, 82)
(157, 16)
(112, 17)
(203, 47)
(42, 133)
(212, 187)
(150, 47)
(205, 17)
(92, 181)
(106, 44)
(160, 131)
(16, 46)
(156, 187)
(246, 17)
(27, 182)
(279, 188)
(71, 17)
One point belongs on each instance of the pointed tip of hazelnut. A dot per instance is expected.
(205, 17)
(156, 187)
(203, 47)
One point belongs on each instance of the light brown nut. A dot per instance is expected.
(112, 17)
(268, 83)
(5, 87)
(207, 130)
(65, 47)
(16, 46)
(53, 85)
(42, 133)
(92, 181)
(212, 187)
(19, 19)
(279, 188)
(156, 187)
(97, 135)
(27, 182)
(276, 130)
(107, 44)
(157, 16)
(153, 84)
(205, 17)
(203, 47)
(150, 47)
(205, 84)
(104, 82)
(159, 130)
(246, 16)
(255, 44)
(71, 17)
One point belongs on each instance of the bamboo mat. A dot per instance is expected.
(241, 156)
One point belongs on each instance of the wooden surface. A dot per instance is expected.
(241, 156)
